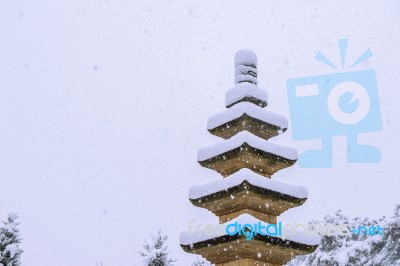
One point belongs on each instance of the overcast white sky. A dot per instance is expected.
(103, 106)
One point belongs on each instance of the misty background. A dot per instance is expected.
(104, 104)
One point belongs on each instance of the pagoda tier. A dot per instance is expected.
(275, 251)
(246, 92)
(222, 249)
(245, 150)
(246, 116)
(247, 159)
(247, 192)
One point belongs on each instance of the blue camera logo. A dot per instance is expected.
(341, 104)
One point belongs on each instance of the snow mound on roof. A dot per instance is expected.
(190, 237)
(246, 137)
(243, 90)
(250, 109)
(245, 57)
(237, 178)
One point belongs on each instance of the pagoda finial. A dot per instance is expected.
(245, 66)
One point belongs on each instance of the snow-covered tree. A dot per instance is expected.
(357, 249)
(201, 262)
(155, 254)
(10, 253)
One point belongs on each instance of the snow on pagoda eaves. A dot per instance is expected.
(246, 116)
(245, 150)
(190, 237)
(245, 190)
(274, 249)
(288, 190)
(246, 92)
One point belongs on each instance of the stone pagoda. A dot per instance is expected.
(247, 160)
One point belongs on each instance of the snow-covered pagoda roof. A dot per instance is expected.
(250, 191)
(246, 116)
(209, 243)
(255, 180)
(246, 92)
(245, 150)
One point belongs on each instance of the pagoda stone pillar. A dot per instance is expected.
(247, 160)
